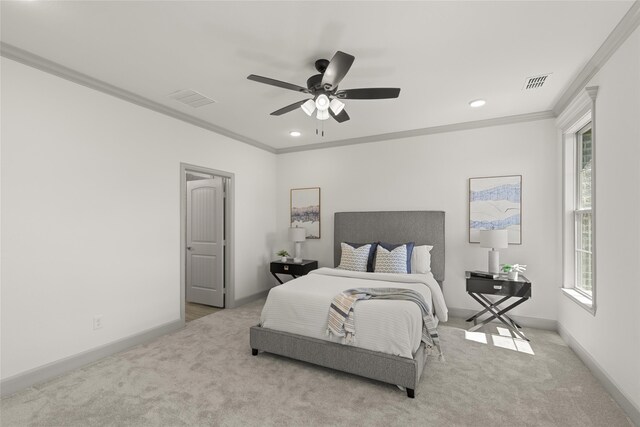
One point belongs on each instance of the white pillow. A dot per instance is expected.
(394, 261)
(354, 259)
(421, 259)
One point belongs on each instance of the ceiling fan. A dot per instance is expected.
(324, 89)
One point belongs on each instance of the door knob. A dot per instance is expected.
(188, 248)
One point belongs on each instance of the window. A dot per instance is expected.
(583, 216)
(579, 155)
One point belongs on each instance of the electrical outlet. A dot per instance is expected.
(97, 322)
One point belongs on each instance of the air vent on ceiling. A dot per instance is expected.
(191, 98)
(535, 82)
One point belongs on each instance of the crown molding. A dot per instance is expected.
(14, 53)
(498, 121)
(11, 52)
(627, 25)
(581, 104)
(619, 35)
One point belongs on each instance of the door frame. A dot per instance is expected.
(229, 231)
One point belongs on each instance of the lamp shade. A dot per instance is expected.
(297, 234)
(495, 239)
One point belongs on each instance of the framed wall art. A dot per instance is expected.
(305, 210)
(495, 203)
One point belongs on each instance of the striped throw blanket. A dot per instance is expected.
(341, 321)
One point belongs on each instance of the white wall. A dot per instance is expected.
(612, 336)
(431, 173)
(107, 243)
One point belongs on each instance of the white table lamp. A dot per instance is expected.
(494, 239)
(297, 235)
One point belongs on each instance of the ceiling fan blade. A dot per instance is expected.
(278, 83)
(342, 117)
(288, 108)
(369, 93)
(337, 69)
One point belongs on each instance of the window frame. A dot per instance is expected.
(578, 115)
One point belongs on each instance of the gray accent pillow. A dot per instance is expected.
(392, 246)
(391, 261)
(354, 259)
(372, 253)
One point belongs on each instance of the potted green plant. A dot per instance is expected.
(283, 255)
(512, 270)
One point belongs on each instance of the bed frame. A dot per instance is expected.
(421, 227)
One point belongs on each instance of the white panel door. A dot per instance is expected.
(205, 242)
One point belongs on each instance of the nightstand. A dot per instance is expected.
(479, 287)
(294, 269)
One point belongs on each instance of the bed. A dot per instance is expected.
(401, 365)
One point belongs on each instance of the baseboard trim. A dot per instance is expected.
(632, 411)
(251, 298)
(52, 370)
(528, 322)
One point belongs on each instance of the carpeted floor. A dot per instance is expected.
(205, 375)
(194, 311)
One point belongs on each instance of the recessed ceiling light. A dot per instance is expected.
(294, 133)
(477, 103)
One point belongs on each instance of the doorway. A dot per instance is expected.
(206, 240)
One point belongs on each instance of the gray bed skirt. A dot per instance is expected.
(366, 363)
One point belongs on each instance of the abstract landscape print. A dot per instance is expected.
(305, 210)
(495, 204)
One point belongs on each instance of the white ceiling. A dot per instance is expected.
(442, 55)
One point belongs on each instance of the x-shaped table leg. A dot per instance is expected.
(480, 313)
(497, 304)
(491, 307)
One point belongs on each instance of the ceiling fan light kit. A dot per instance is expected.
(322, 102)
(322, 114)
(324, 89)
(309, 107)
(336, 106)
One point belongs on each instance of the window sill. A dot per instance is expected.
(580, 299)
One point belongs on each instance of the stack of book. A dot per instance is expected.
(483, 274)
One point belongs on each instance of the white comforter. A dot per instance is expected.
(301, 306)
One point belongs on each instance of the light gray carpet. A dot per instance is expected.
(205, 375)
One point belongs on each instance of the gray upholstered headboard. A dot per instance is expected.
(421, 227)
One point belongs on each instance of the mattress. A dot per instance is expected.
(301, 306)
